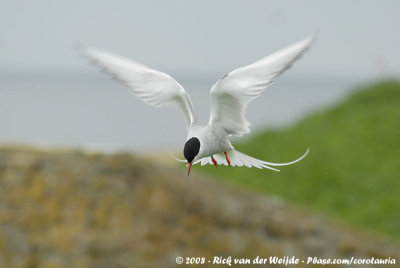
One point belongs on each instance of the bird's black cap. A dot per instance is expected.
(191, 149)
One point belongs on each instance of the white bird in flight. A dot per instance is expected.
(230, 95)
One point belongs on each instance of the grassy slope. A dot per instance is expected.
(353, 170)
(71, 209)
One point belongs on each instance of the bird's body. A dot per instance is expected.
(212, 143)
(207, 144)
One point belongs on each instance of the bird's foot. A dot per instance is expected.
(213, 160)
(227, 159)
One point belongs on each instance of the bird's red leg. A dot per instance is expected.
(215, 162)
(227, 159)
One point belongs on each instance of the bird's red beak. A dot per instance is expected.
(190, 166)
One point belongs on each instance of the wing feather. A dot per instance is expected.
(232, 93)
(151, 86)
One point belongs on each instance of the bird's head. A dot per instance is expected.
(191, 149)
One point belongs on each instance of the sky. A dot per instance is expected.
(49, 94)
(355, 38)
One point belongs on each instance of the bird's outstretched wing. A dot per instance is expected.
(239, 159)
(151, 86)
(231, 94)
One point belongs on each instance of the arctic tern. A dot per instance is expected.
(230, 95)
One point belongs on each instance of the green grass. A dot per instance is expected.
(353, 170)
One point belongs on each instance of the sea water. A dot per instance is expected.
(101, 114)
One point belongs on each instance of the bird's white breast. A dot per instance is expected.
(210, 143)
